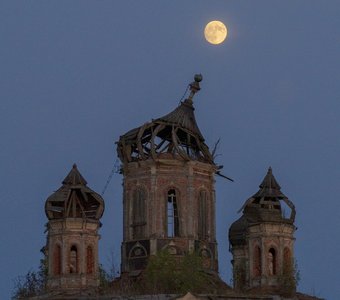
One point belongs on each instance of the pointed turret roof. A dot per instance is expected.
(268, 196)
(74, 177)
(269, 181)
(269, 187)
(183, 116)
(263, 206)
(74, 199)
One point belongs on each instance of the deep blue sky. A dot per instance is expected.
(75, 75)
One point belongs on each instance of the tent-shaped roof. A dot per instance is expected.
(74, 199)
(183, 116)
(176, 133)
(263, 206)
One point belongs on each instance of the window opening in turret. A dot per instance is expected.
(272, 261)
(286, 211)
(139, 213)
(270, 203)
(202, 215)
(73, 260)
(172, 214)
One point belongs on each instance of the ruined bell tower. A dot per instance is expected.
(262, 241)
(73, 213)
(168, 189)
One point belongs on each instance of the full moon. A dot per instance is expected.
(215, 32)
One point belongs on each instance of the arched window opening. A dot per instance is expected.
(202, 215)
(73, 260)
(139, 213)
(137, 251)
(257, 261)
(172, 214)
(57, 260)
(89, 260)
(272, 261)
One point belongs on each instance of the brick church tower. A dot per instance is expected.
(169, 195)
(73, 212)
(262, 240)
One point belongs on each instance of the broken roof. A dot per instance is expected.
(74, 199)
(176, 133)
(263, 206)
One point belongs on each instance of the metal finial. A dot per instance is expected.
(194, 87)
(198, 77)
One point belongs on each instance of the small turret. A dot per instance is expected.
(73, 212)
(261, 240)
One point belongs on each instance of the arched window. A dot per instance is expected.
(73, 260)
(272, 261)
(137, 251)
(57, 260)
(89, 260)
(257, 262)
(139, 213)
(202, 215)
(172, 214)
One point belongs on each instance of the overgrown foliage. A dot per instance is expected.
(105, 278)
(166, 273)
(31, 284)
(289, 279)
(108, 275)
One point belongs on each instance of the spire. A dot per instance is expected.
(183, 116)
(270, 187)
(194, 88)
(265, 204)
(269, 181)
(74, 177)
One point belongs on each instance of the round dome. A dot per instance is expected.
(237, 231)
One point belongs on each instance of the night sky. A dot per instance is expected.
(75, 75)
